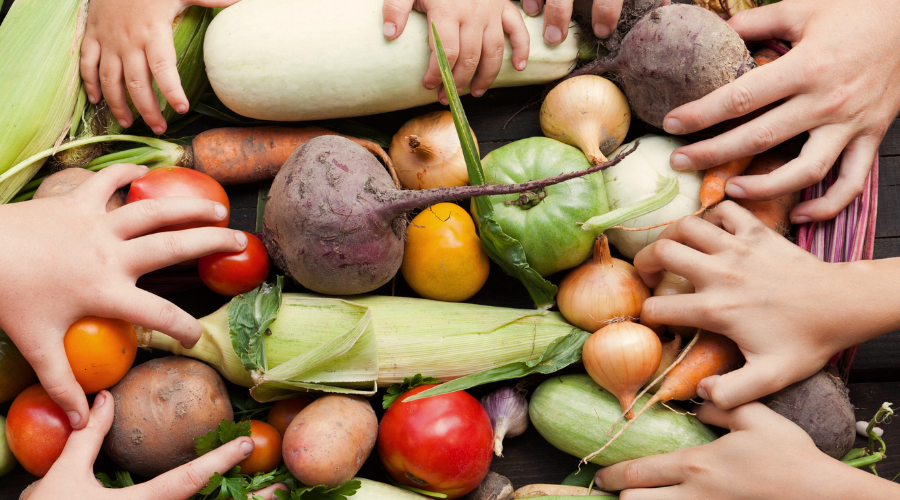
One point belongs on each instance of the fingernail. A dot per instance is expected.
(680, 161)
(701, 391)
(241, 238)
(123, 124)
(221, 211)
(597, 482)
(145, 167)
(93, 99)
(74, 418)
(521, 65)
(158, 130)
(530, 7)
(247, 448)
(445, 101)
(181, 109)
(673, 126)
(602, 30)
(99, 399)
(478, 92)
(552, 35)
(735, 191)
(800, 219)
(390, 29)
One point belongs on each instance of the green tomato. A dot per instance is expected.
(7, 460)
(545, 222)
(15, 372)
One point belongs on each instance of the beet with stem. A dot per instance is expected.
(335, 222)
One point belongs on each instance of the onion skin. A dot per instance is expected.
(621, 358)
(673, 284)
(601, 289)
(427, 154)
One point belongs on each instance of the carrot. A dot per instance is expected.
(240, 155)
(773, 213)
(708, 354)
(765, 55)
(712, 189)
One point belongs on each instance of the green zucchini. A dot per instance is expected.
(373, 490)
(565, 411)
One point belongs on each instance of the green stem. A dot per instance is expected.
(865, 461)
(667, 190)
(854, 454)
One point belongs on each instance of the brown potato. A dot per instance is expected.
(330, 439)
(64, 181)
(161, 406)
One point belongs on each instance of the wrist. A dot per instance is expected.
(866, 297)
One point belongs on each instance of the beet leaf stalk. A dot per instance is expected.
(869, 456)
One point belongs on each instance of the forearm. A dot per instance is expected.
(866, 296)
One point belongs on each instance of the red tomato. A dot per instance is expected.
(166, 182)
(442, 444)
(266, 455)
(233, 273)
(36, 430)
(284, 411)
(100, 351)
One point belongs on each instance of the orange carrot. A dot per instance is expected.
(240, 155)
(773, 213)
(765, 55)
(712, 189)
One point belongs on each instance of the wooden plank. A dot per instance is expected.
(888, 223)
(891, 144)
(889, 171)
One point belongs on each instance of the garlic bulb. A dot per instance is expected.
(601, 289)
(427, 154)
(508, 410)
(621, 358)
(673, 284)
(588, 112)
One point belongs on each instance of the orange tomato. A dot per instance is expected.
(100, 351)
(444, 258)
(266, 454)
(284, 411)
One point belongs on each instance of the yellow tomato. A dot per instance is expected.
(444, 258)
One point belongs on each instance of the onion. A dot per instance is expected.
(673, 284)
(601, 289)
(427, 154)
(670, 351)
(588, 112)
(621, 358)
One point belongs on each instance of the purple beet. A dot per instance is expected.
(336, 223)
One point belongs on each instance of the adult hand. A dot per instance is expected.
(838, 82)
(72, 475)
(764, 456)
(65, 257)
(788, 311)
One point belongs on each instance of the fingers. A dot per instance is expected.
(396, 14)
(856, 163)
(152, 311)
(103, 184)
(190, 478)
(52, 368)
(139, 83)
(776, 20)
(491, 58)
(557, 15)
(269, 493)
(156, 251)
(470, 56)
(733, 218)
(213, 3)
(83, 445)
(142, 217)
(757, 378)
(90, 72)
(605, 16)
(111, 74)
(163, 63)
(532, 7)
(448, 30)
(697, 234)
(648, 472)
(668, 255)
(817, 156)
(514, 26)
(741, 418)
(682, 309)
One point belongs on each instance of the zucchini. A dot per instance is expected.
(299, 60)
(565, 411)
(373, 490)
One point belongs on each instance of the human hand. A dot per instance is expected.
(472, 33)
(558, 15)
(788, 311)
(838, 82)
(64, 258)
(72, 475)
(764, 456)
(130, 42)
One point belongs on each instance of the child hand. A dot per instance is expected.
(72, 476)
(472, 33)
(127, 44)
(788, 311)
(558, 15)
(64, 258)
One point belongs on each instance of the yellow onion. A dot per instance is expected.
(588, 112)
(621, 357)
(673, 284)
(427, 154)
(601, 289)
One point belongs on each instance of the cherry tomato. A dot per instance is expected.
(165, 182)
(442, 444)
(36, 430)
(233, 273)
(100, 351)
(284, 411)
(266, 455)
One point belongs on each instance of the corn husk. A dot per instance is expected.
(40, 41)
(355, 344)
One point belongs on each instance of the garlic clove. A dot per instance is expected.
(508, 411)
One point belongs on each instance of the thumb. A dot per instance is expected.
(396, 13)
(53, 370)
(743, 385)
(777, 20)
(83, 445)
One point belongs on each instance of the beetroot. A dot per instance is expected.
(336, 223)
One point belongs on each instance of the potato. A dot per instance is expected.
(161, 406)
(330, 439)
(66, 180)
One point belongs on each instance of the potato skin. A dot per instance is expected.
(161, 406)
(66, 180)
(328, 442)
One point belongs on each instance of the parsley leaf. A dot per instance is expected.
(230, 486)
(397, 390)
(321, 492)
(249, 317)
(225, 432)
(122, 480)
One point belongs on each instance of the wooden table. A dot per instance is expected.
(875, 377)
